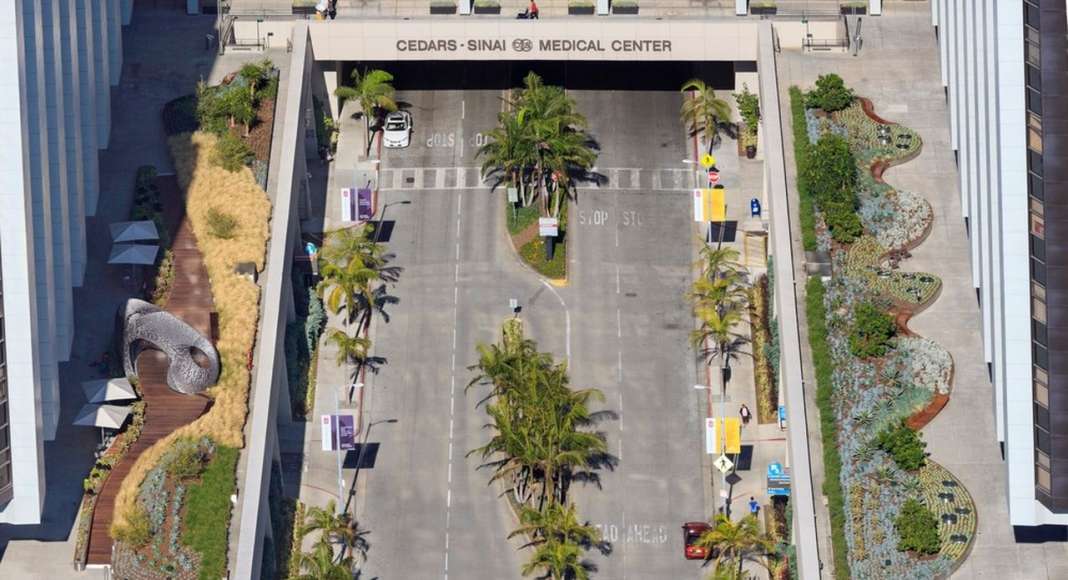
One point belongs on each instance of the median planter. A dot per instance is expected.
(580, 9)
(854, 8)
(756, 8)
(442, 8)
(487, 7)
(625, 7)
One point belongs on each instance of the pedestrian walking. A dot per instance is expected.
(532, 12)
(745, 413)
(754, 506)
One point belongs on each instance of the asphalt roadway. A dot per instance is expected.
(622, 321)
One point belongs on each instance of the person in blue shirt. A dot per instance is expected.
(754, 506)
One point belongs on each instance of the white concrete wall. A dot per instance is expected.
(58, 60)
(981, 46)
(17, 267)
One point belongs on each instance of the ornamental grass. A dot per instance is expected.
(209, 187)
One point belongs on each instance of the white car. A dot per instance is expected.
(398, 130)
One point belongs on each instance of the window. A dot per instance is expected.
(1034, 78)
(1034, 101)
(1038, 248)
(1031, 16)
(1042, 459)
(1042, 440)
(1039, 332)
(1038, 310)
(1032, 47)
(1034, 185)
(1041, 394)
(1041, 375)
(1038, 226)
(1041, 416)
(1034, 162)
(1037, 207)
(1034, 133)
(1040, 354)
(1038, 272)
(1042, 479)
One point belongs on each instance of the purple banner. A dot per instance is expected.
(363, 204)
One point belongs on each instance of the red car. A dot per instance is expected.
(691, 532)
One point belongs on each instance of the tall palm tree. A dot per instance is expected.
(716, 336)
(320, 564)
(737, 541)
(336, 528)
(704, 112)
(509, 153)
(374, 90)
(351, 350)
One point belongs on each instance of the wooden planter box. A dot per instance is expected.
(450, 9)
(625, 9)
(580, 10)
(763, 9)
(487, 9)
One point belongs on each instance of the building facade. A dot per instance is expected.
(1004, 67)
(58, 60)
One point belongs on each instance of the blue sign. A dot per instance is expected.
(311, 249)
(754, 207)
(775, 469)
(778, 480)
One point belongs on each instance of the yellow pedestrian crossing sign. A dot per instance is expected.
(707, 160)
(710, 205)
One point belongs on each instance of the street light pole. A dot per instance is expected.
(359, 458)
(382, 216)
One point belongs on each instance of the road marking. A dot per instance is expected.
(463, 108)
(621, 449)
(452, 381)
(448, 498)
(567, 336)
(617, 270)
(619, 324)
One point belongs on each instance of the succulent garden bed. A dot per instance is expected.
(901, 383)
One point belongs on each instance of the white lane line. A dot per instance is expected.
(620, 410)
(618, 286)
(619, 324)
(452, 382)
(617, 236)
(463, 108)
(567, 336)
(621, 449)
(619, 366)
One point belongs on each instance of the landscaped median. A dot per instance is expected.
(172, 512)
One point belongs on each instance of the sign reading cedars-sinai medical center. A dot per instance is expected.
(532, 46)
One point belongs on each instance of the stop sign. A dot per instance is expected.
(713, 177)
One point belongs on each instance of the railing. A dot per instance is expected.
(825, 44)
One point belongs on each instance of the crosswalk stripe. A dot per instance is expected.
(621, 178)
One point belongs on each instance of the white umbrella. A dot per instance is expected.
(104, 390)
(134, 231)
(105, 416)
(133, 254)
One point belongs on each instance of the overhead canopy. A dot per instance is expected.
(104, 390)
(105, 416)
(134, 231)
(133, 254)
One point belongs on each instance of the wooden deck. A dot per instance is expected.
(165, 410)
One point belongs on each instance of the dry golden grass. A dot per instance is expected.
(236, 299)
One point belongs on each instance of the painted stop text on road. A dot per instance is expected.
(633, 533)
(442, 140)
(600, 217)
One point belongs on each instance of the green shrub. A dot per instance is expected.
(316, 320)
(807, 214)
(748, 108)
(231, 153)
(904, 445)
(221, 224)
(872, 331)
(917, 529)
(831, 94)
(533, 253)
(210, 109)
(186, 461)
(829, 176)
(816, 314)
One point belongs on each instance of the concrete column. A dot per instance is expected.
(114, 40)
(87, 103)
(934, 12)
(741, 7)
(875, 7)
(127, 12)
(103, 75)
(330, 80)
(954, 58)
(72, 120)
(463, 7)
(17, 242)
(284, 404)
(40, 186)
(943, 40)
(982, 184)
(57, 168)
(996, 305)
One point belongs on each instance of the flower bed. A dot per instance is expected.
(861, 398)
(766, 389)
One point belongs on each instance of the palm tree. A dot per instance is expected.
(704, 112)
(336, 528)
(320, 564)
(737, 541)
(557, 560)
(351, 350)
(716, 336)
(374, 91)
(556, 522)
(509, 153)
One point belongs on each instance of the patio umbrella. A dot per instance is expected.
(102, 416)
(136, 254)
(134, 231)
(104, 390)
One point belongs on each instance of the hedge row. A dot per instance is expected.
(801, 146)
(832, 462)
